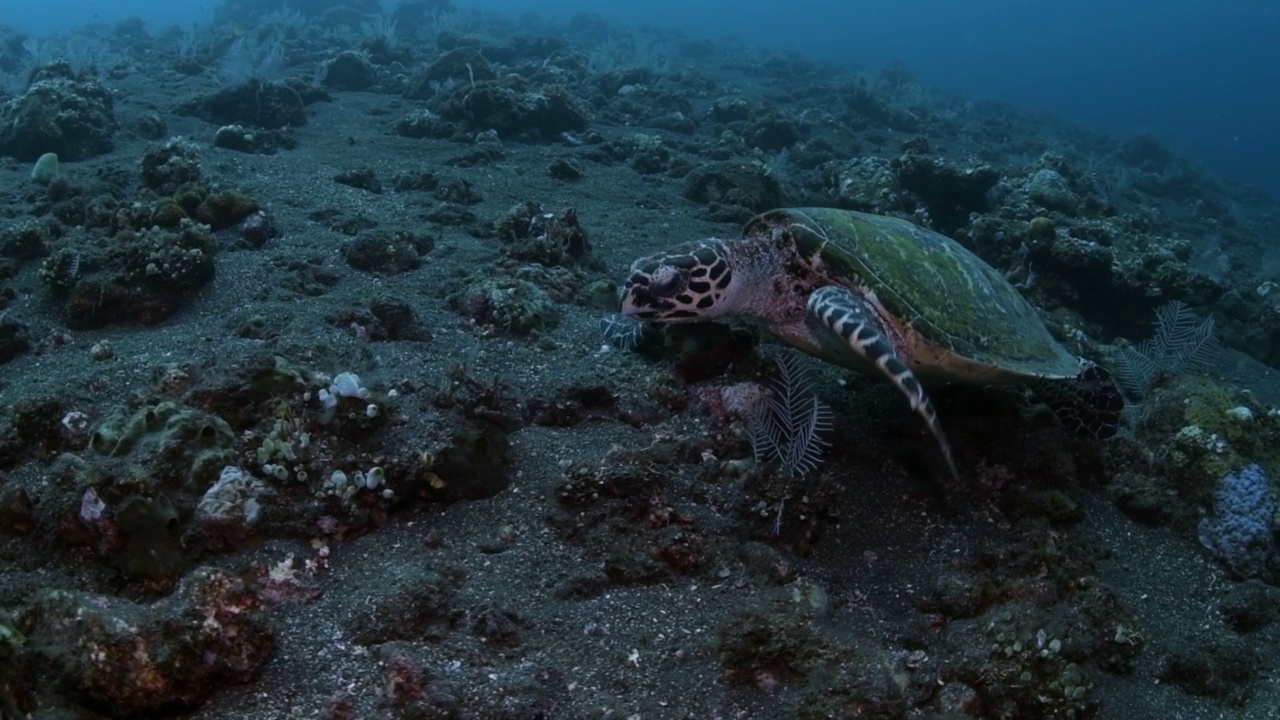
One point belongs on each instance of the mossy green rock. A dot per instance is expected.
(192, 444)
(1201, 429)
(45, 170)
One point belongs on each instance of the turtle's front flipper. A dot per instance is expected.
(844, 324)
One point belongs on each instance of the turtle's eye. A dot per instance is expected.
(666, 281)
(654, 289)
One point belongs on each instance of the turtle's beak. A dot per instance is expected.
(640, 301)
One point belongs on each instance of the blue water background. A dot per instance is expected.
(1198, 74)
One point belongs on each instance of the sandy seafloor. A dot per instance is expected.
(421, 585)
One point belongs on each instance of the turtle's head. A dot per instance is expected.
(687, 283)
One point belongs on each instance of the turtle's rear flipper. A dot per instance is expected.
(844, 324)
(1089, 405)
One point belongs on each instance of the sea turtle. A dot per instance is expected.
(877, 294)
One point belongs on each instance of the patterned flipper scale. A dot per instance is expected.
(845, 324)
(1088, 405)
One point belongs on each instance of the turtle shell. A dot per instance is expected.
(960, 316)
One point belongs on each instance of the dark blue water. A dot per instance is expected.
(1198, 74)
